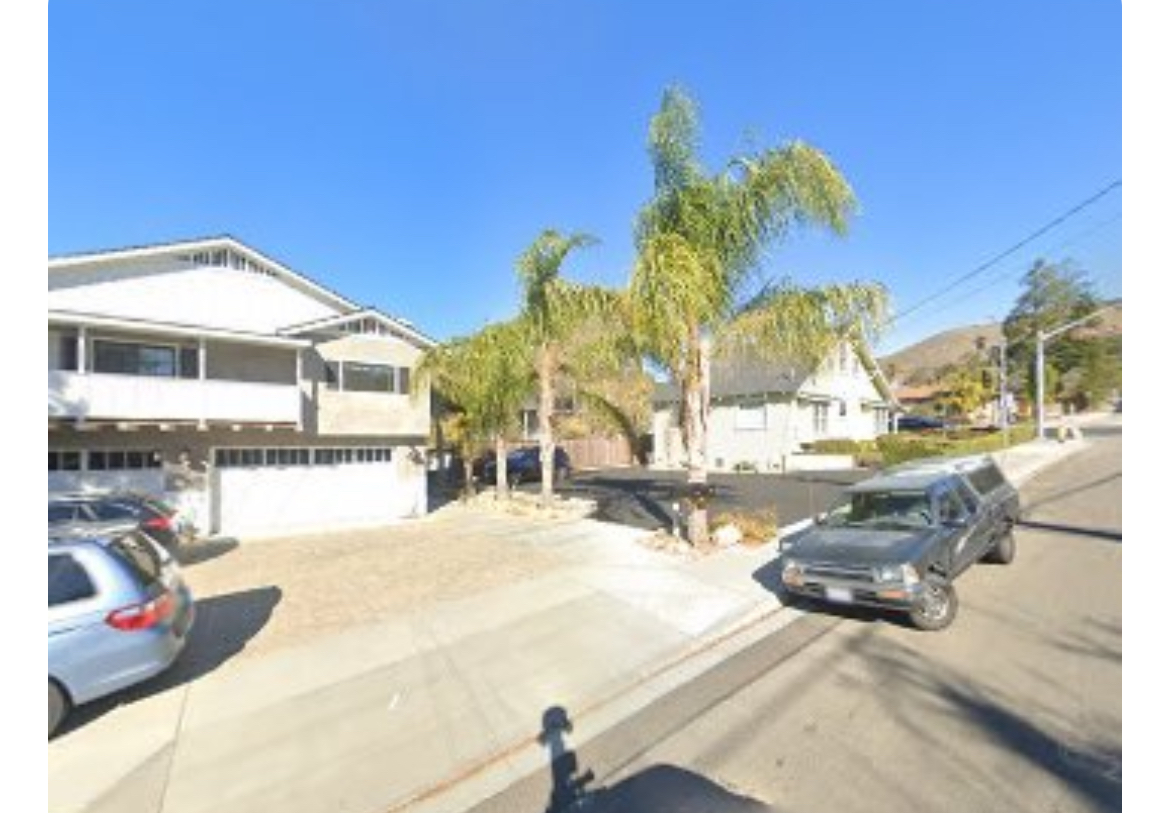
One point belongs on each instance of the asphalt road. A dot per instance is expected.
(644, 498)
(1017, 706)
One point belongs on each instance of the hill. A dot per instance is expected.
(920, 363)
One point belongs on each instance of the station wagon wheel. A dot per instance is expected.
(58, 706)
(936, 608)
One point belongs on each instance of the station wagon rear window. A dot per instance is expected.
(68, 580)
(985, 479)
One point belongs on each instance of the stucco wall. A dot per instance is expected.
(354, 413)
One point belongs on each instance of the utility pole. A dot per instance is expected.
(1043, 336)
(1003, 399)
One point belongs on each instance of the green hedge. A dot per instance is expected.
(841, 446)
(898, 448)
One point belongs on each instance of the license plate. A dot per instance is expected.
(841, 595)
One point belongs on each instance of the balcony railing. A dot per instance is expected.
(146, 398)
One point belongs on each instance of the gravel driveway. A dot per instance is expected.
(263, 594)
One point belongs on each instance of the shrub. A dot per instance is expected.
(901, 447)
(835, 446)
(757, 527)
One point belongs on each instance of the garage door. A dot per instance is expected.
(274, 500)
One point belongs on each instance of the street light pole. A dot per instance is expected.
(1043, 336)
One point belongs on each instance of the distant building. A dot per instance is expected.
(764, 412)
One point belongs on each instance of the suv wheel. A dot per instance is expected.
(58, 706)
(936, 608)
(1004, 549)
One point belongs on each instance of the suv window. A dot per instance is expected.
(986, 479)
(68, 580)
(140, 558)
(951, 507)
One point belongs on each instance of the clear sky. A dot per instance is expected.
(405, 153)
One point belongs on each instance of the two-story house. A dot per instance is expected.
(762, 412)
(252, 396)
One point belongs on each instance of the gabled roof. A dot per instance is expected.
(396, 327)
(754, 376)
(278, 269)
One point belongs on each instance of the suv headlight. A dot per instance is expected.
(793, 573)
(896, 574)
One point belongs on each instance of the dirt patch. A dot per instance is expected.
(330, 582)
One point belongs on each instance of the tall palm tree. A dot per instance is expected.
(700, 240)
(485, 378)
(556, 314)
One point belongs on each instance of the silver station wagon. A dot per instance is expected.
(119, 613)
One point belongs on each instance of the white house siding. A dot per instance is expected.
(170, 291)
(789, 422)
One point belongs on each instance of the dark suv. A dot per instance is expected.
(900, 539)
(524, 466)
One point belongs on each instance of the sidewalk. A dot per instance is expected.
(435, 711)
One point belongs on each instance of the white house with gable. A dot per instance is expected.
(211, 374)
(764, 412)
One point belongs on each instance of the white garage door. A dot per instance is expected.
(274, 500)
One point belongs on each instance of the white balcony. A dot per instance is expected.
(106, 396)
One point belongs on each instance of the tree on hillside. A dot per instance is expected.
(700, 240)
(1078, 369)
(557, 316)
(482, 380)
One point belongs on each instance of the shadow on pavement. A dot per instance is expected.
(204, 550)
(223, 626)
(657, 789)
(1099, 533)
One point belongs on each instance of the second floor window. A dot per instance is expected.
(131, 358)
(353, 376)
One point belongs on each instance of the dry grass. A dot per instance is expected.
(757, 527)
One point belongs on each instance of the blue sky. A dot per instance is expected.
(405, 153)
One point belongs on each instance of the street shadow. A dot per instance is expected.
(203, 550)
(1089, 767)
(1077, 530)
(223, 627)
(660, 788)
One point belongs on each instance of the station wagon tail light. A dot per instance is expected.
(158, 523)
(142, 616)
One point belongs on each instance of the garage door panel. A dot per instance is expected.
(274, 499)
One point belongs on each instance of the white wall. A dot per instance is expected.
(169, 292)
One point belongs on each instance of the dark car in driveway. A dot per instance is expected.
(918, 423)
(95, 511)
(523, 465)
(899, 540)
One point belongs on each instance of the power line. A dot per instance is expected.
(1092, 278)
(1005, 253)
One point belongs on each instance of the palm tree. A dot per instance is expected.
(700, 240)
(484, 378)
(556, 314)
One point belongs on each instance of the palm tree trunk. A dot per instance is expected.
(545, 410)
(468, 477)
(696, 409)
(501, 468)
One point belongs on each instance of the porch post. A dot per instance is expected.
(82, 335)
